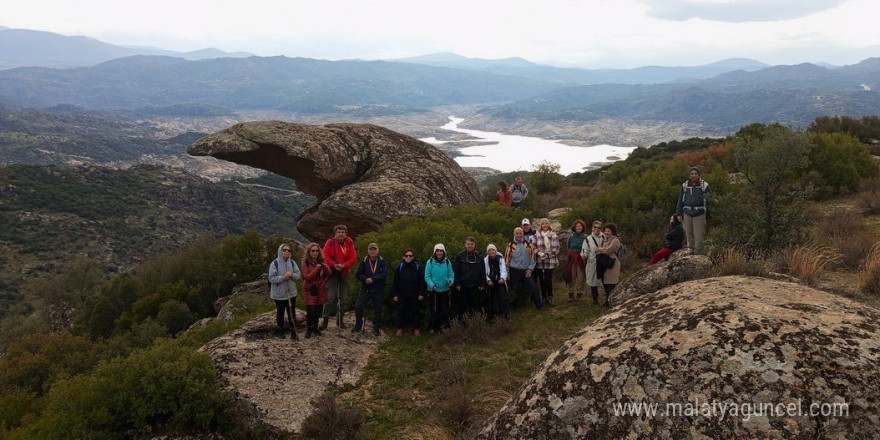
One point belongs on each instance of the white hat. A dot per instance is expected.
(526, 222)
(440, 247)
(490, 247)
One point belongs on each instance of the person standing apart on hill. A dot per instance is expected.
(503, 196)
(315, 273)
(588, 252)
(519, 192)
(547, 250)
(340, 254)
(496, 282)
(610, 247)
(574, 267)
(674, 241)
(591, 245)
(470, 276)
(282, 276)
(408, 289)
(372, 274)
(439, 279)
(520, 260)
(528, 231)
(691, 209)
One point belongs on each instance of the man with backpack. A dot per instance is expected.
(520, 260)
(691, 209)
(519, 192)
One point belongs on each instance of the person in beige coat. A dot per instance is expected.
(610, 247)
(588, 251)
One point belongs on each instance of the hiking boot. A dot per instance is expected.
(279, 332)
(399, 332)
(293, 335)
(377, 333)
(323, 325)
(417, 332)
(356, 329)
(308, 334)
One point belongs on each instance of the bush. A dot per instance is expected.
(474, 329)
(166, 386)
(457, 411)
(841, 160)
(733, 261)
(329, 421)
(845, 230)
(868, 200)
(869, 275)
(809, 263)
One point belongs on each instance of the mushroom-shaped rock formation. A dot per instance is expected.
(730, 357)
(362, 175)
(683, 265)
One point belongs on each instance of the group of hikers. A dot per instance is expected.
(454, 286)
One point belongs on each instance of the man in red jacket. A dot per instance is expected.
(340, 254)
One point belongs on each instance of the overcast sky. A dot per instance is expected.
(588, 33)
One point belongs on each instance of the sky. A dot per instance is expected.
(584, 33)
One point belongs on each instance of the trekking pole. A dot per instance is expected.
(293, 334)
(339, 308)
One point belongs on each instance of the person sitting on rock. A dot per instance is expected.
(408, 289)
(470, 278)
(503, 196)
(315, 273)
(439, 279)
(674, 241)
(372, 274)
(282, 276)
(520, 259)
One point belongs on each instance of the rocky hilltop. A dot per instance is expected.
(731, 340)
(362, 175)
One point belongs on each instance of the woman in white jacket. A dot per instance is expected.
(496, 282)
(588, 252)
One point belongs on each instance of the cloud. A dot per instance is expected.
(737, 11)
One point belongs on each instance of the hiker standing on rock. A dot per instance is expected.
(340, 254)
(691, 209)
(519, 192)
(547, 249)
(282, 276)
(574, 267)
(408, 289)
(588, 251)
(372, 274)
(439, 279)
(315, 273)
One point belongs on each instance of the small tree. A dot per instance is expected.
(546, 178)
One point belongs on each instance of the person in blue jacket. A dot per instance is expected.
(372, 274)
(439, 278)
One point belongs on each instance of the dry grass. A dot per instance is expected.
(428, 432)
(845, 230)
(868, 200)
(733, 261)
(563, 197)
(475, 328)
(869, 275)
(330, 421)
(809, 263)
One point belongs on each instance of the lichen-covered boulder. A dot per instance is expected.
(683, 265)
(713, 355)
(362, 175)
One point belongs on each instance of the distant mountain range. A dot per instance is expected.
(29, 48)
(575, 76)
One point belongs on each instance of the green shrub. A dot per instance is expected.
(841, 160)
(168, 386)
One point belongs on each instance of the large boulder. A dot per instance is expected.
(682, 266)
(274, 381)
(362, 175)
(691, 348)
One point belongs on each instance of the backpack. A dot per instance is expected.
(622, 254)
(274, 264)
(400, 267)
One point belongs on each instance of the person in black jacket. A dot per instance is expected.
(674, 241)
(372, 274)
(470, 278)
(408, 289)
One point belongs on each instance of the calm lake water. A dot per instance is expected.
(514, 153)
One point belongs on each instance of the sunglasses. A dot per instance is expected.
(407, 256)
(285, 250)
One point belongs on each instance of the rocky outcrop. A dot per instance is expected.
(362, 175)
(735, 341)
(274, 381)
(681, 266)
